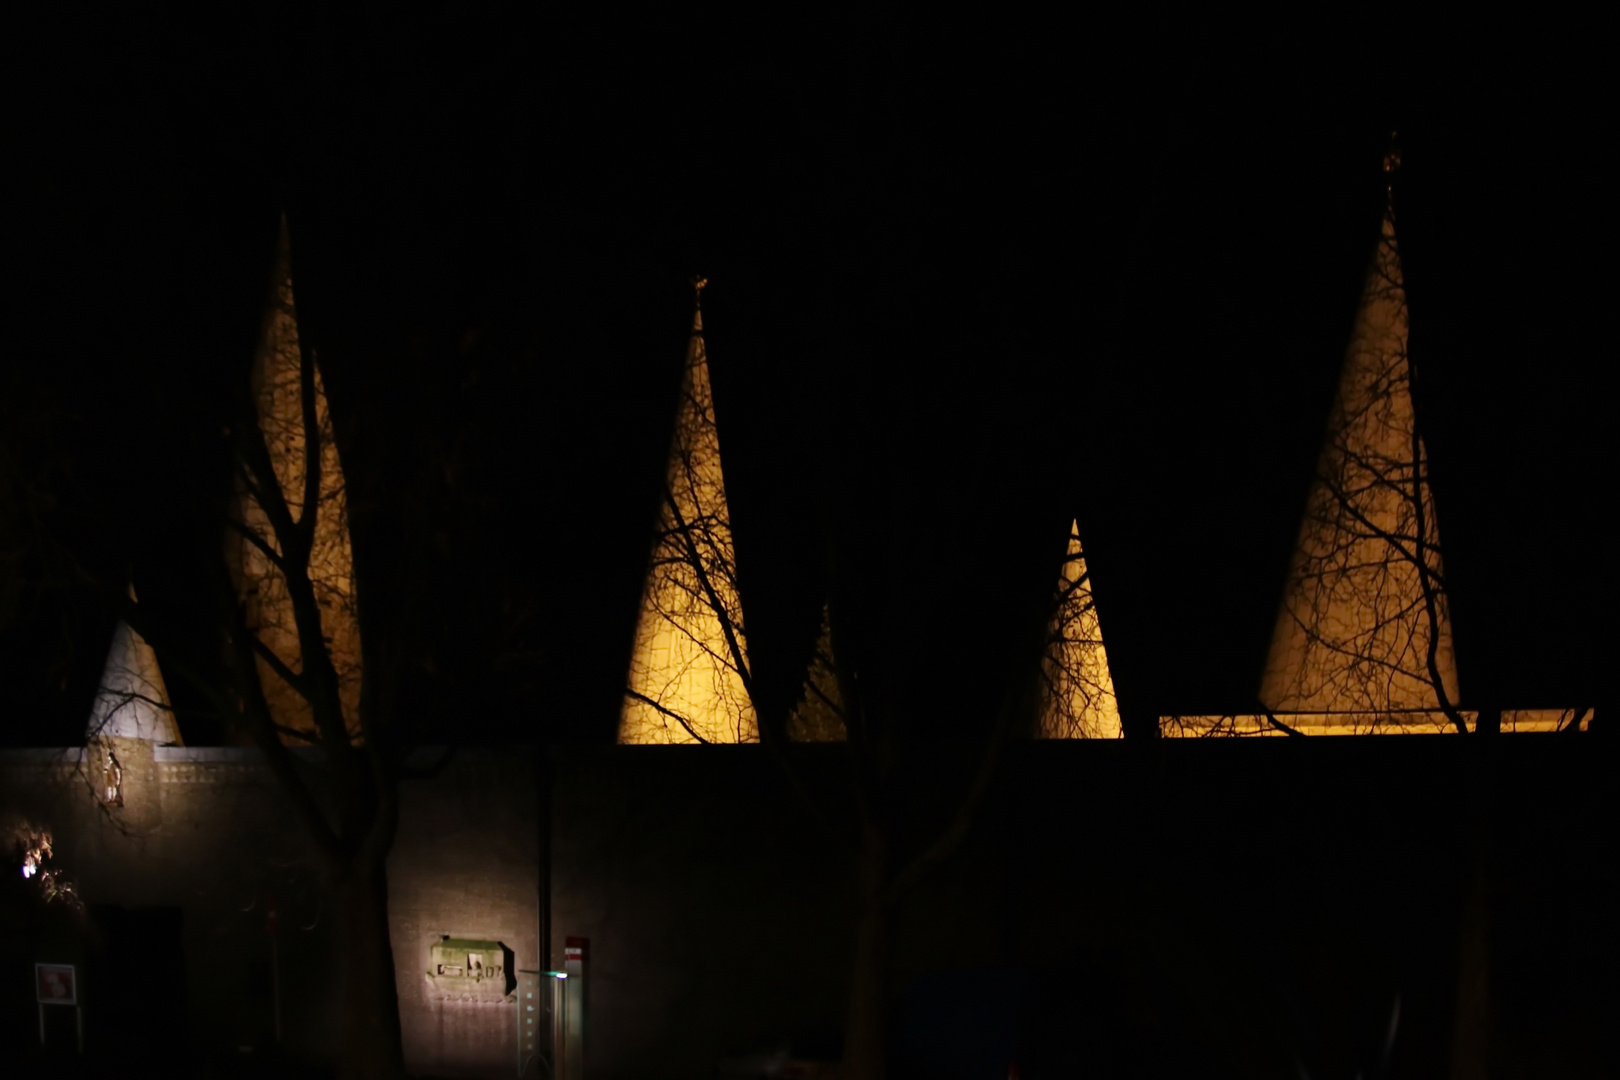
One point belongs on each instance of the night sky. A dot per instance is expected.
(967, 283)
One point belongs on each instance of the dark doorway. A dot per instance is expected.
(135, 986)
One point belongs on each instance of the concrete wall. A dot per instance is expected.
(717, 903)
(1212, 907)
(466, 864)
(206, 835)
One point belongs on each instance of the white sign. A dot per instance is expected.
(55, 984)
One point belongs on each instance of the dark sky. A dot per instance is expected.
(968, 282)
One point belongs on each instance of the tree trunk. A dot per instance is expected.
(864, 1051)
(372, 1040)
(1471, 1024)
(1470, 1056)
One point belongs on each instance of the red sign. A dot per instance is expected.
(54, 984)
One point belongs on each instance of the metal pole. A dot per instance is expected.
(543, 770)
(78, 1023)
(576, 958)
(275, 984)
(528, 985)
(559, 1028)
(42, 1023)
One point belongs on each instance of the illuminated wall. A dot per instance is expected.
(465, 865)
(277, 386)
(687, 671)
(1363, 637)
(1079, 691)
(208, 834)
(1521, 721)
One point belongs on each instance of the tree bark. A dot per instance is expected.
(1471, 1024)
(372, 1037)
(1470, 1043)
(864, 1051)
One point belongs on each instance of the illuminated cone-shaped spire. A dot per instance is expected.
(819, 714)
(132, 702)
(279, 371)
(1079, 691)
(1363, 630)
(689, 670)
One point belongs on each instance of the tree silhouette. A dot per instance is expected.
(294, 656)
(691, 682)
(282, 665)
(289, 479)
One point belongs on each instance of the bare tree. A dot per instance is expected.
(691, 681)
(896, 849)
(294, 478)
(284, 666)
(1363, 639)
(294, 656)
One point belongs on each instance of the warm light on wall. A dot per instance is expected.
(1079, 691)
(688, 668)
(1414, 722)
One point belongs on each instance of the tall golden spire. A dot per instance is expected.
(279, 372)
(1363, 637)
(689, 670)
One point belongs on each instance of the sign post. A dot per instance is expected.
(536, 987)
(528, 1005)
(576, 958)
(58, 984)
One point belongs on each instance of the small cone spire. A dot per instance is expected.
(132, 702)
(819, 714)
(1080, 702)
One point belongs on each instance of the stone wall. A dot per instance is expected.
(1199, 907)
(1208, 907)
(716, 901)
(466, 865)
(206, 834)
